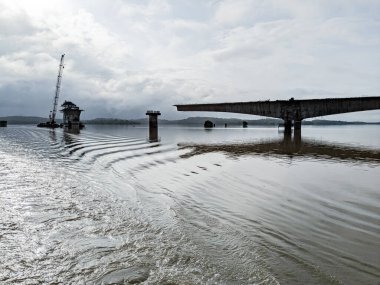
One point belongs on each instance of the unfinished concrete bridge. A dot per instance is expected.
(291, 111)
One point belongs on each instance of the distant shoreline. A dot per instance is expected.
(191, 121)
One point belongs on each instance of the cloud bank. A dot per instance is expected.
(124, 57)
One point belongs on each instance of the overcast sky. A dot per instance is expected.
(124, 57)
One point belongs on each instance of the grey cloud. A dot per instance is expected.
(26, 98)
(16, 23)
(123, 57)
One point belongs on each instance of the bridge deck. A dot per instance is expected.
(291, 109)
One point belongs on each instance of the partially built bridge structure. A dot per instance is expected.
(291, 111)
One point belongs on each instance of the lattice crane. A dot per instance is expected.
(57, 89)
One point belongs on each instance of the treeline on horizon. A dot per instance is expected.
(199, 121)
(110, 121)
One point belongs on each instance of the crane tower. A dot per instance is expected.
(57, 89)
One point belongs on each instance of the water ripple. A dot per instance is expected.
(99, 208)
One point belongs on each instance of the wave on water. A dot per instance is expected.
(100, 208)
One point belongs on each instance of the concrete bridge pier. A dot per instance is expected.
(288, 126)
(297, 128)
(153, 125)
(297, 136)
(297, 124)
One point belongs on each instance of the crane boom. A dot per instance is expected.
(57, 89)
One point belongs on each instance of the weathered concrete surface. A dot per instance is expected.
(291, 110)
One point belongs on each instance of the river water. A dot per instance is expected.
(221, 206)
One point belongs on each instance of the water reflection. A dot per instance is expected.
(53, 136)
(68, 139)
(288, 146)
(74, 131)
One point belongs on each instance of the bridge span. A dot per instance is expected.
(291, 110)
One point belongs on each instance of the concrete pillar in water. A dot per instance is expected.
(297, 131)
(153, 125)
(3, 123)
(287, 141)
(71, 117)
(288, 126)
(297, 124)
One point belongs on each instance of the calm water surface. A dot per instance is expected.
(225, 206)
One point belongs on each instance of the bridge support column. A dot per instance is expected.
(297, 130)
(153, 125)
(297, 124)
(288, 126)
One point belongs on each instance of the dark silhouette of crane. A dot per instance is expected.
(57, 90)
(52, 123)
